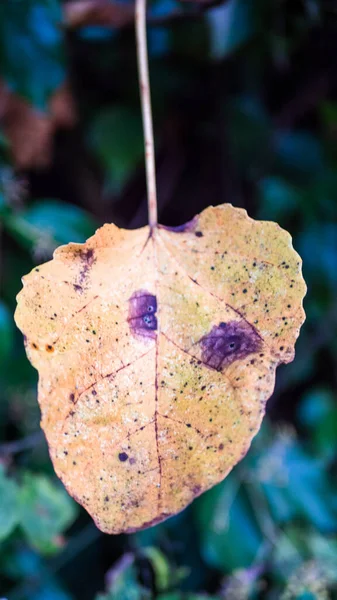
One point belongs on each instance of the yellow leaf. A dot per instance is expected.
(156, 355)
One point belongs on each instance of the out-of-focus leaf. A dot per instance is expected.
(31, 49)
(23, 563)
(117, 140)
(328, 113)
(159, 38)
(242, 584)
(315, 407)
(278, 199)
(324, 551)
(229, 534)
(123, 583)
(46, 511)
(63, 221)
(50, 591)
(318, 413)
(306, 583)
(35, 99)
(12, 190)
(307, 551)
(160, 566)
(50, 222)
(166, 575)
(231, 25)
(320, 201)
(297, 485)
(9, 504)
(288, 553)
(320, 267)
(298, 154)
(6, 333)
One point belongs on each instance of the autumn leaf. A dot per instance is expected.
(30, 132)
(156, 353)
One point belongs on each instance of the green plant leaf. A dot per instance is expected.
(9, 504)
(123, 582)
(320, 267)
(278, 199)
(31, 49)
(297, 485)
(116, 139)
(6, 333)
(48, 223)
(298, 155)
(231, 25)
(166, 575)
(46, 511)
(230, 536)
(50, 591)
(318, 414)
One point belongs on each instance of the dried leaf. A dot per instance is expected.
(80, 13)
(157, 354)
(30, 132)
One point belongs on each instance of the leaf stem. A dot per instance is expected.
(145, 96)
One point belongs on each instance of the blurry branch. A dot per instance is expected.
(81, 13)
(26, 443)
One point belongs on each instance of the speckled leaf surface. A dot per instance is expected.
(156, 356)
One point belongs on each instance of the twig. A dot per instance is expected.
(145, 96)
(26, 443)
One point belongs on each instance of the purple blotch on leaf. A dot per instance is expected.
(189, 226)
(88, 259)
(142, 314)
(228, 342)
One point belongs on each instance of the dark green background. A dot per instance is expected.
(245, 111)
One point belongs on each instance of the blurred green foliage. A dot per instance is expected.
(245, 111)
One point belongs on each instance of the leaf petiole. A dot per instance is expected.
(145, 96)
